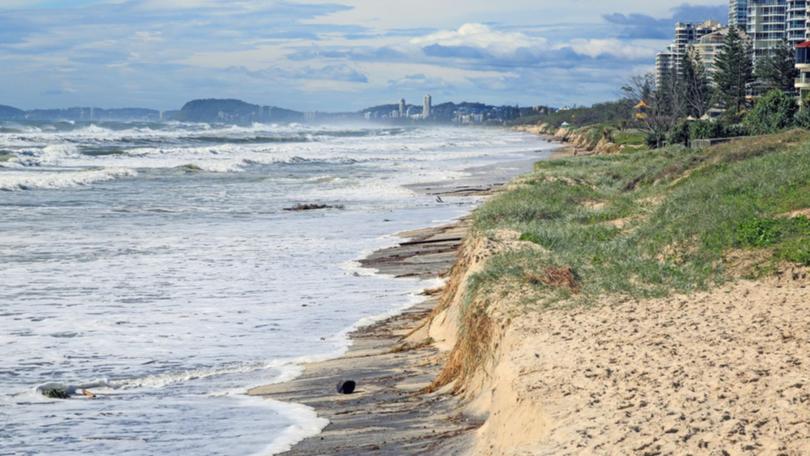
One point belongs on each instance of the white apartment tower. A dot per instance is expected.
(427, 106)
(708, 48)
(796, 21)
(686, 34)
(738, 14)
(767, 25)
(664, 65)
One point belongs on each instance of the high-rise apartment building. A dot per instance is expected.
(738, 14)
(767, 25)
(708, 47)
(686, 34)
(796, 21)
(427, 106)
(402, 107)
(664, 65)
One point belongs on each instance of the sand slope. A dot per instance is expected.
(719, 372)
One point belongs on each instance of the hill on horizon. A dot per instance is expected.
(234, 110)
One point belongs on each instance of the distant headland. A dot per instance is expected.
(234, 111)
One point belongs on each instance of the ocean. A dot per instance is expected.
(155, 265)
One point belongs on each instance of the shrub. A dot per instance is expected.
(758, 233)
(687, 130)
(655, 139)
(735, 130)
(679, 133)
(705, 129)
(773, 112)
(762, 232)
(803, 118)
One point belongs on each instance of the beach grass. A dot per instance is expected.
(630, 137)
(650, 223)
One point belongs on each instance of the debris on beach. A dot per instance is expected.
(346, 387)
(60, 391)
(57, 391)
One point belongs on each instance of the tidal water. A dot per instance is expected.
(155, 265)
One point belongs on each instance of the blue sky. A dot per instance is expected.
(329, 55)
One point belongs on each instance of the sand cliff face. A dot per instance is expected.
(585, 141)
(480, 338)
(718, 372)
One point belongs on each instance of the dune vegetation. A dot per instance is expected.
(650, 223)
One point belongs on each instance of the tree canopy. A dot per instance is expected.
(734, 71)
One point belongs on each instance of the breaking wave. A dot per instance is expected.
(25, 180)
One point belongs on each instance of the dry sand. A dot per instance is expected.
(725, 372)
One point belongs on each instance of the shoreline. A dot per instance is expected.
(389, 413)
(386, 414)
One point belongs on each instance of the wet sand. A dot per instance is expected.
(386, 415)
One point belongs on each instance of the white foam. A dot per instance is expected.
(18, 180)
(307, 423)
(171, 378)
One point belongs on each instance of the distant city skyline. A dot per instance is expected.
(342, 55)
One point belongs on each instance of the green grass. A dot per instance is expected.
(630, 137)
(650, 223)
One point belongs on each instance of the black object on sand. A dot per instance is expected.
(346, 387)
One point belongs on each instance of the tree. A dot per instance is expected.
(639, 88)
(773, 112)
(778, 69)
(659, 116)
(734, 71)
(694, 85)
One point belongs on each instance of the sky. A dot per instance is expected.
(330, 55)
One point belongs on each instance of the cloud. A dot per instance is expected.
(420, 82)
(482, 37)
(463, 52)
(58, 92)
(640, 26)
(700, 13)
(353, 53)
(336, 72)
(340, 72)
(612, 47)
(484, 45)
(643, 26)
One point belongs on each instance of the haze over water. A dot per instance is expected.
(155, 265)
